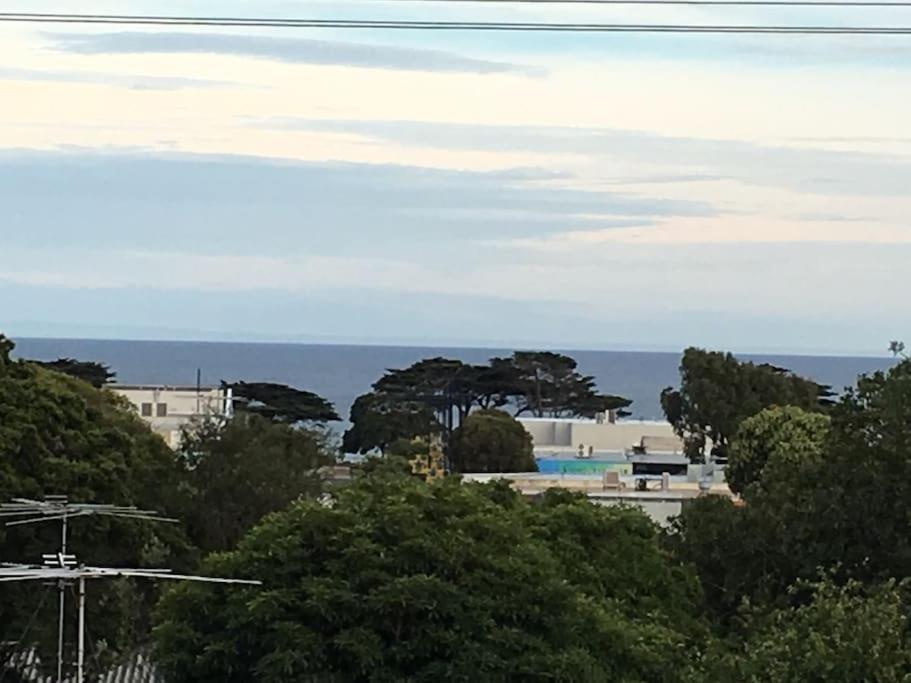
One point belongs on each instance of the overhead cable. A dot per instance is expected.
(382, 24)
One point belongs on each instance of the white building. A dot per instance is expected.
(587, 438)
(662, 499)
(169, 408)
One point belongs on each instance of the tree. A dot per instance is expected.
(402, 580)
(842, 634)
(495, 385)
(717, 392)
(6, 348)
(549, 384)
(774, 438)
(378, 421)
(240, 470)
(446, 390)
(733, 553)
(897, 348)
(641, 580)
(845, 512)
(59, 435)
(492, 441)
(443, 385)
(383, 466)
(540, 383)
(868, 468)
(96, 374)
(430, 397)
(282, 403)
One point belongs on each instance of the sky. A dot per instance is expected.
(597, 191)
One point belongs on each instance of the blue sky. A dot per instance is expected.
(745, 192)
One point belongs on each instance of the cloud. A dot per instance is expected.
(807, 169)
(735, 230)
(242, 205)
(290, 50)
(856, 139)
(222, 243)
(136, 82)
(97, 268)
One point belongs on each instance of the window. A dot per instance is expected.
(162, 410)
(146, 410)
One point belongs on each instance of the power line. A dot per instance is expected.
(128, 20)
(722, 3)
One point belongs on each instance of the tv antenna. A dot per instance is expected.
(65, 570)
(25, 511)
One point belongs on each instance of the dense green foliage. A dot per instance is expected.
(717, 392)
(436, 395)
(773, 442)
(837, 634)
(240, 470)
(402, 580)
(61, 435)
(846, 511)
(281, 403)
(491, 441)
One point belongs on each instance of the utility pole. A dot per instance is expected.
(61, 607)
(198, 391)
(80, 652)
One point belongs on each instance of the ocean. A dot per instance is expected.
(341, 373)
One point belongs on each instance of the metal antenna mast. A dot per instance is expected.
(24, 511)
(63, 568)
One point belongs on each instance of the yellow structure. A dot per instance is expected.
(430, 466)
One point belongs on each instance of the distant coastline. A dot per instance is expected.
(166, 336)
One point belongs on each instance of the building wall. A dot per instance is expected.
(542, 431)
(616, 437)
(168, 409)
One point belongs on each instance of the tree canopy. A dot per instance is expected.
(96, 374)
(281, 402)
(240, 470)
(549, 385)
(717, 392)
(838, 634)
(378, 421)
(775, 438)
(492, 441)
(404, 580)
(843, 510)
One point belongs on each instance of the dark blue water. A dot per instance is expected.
(341, 373)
